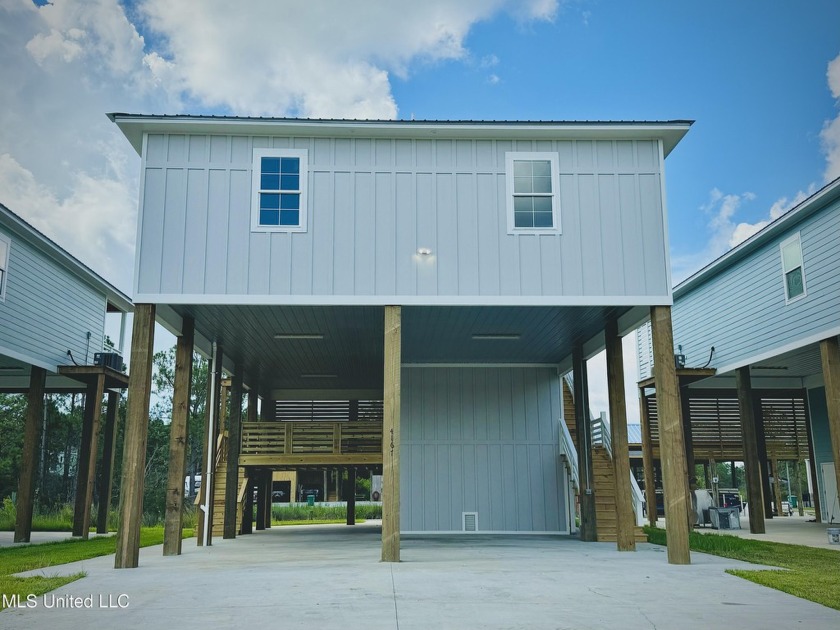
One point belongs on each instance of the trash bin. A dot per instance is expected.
(833, 535)
(310, 500)
(793, 501)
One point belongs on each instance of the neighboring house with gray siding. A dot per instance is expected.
(505, 244)
(767, 305)
(50, 303)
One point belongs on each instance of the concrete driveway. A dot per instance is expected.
(330, 577)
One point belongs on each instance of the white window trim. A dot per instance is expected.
(796, 237)
(552, 157)
(256, 166)
(4, 265)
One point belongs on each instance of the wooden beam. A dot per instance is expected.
(671, 445)
(109, 449)
(234, 442)
(625, 525)
(647, 459)
(29, 456)
(178, 439)
(252, 406)
(830, 354)
(583, 431)
(391, 436)
(752, 464)
(136, 434)
(86, 475)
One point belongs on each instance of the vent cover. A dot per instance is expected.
(469, 521)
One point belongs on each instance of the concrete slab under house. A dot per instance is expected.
(422, 290)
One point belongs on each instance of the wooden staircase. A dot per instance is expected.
(219, 486)
(604, 473)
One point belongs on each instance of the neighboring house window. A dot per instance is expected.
(533, 185)
(792, 268)
(5, 246)
(278, 201)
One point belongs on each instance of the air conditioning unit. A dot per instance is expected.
(111, 360)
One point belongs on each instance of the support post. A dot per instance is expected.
(752, 464)
(830, 354)
(625, 518)
(252, 406)
(764, 463)
(671, 445)
(29, 455)
(583, 429)
(812, 466)
(86, 475)
(351, 496)
(109, 448)
(208, 423)
(211, 433)
(269, 482)
(136, 433)
(248, 513)
(391, 436)
(234, 439)
(777, 486)
(688, 438)
(647, 459)
(261, 489)
(178, 439)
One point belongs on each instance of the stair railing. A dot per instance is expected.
(568, 454)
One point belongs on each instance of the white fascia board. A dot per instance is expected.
(401, 300)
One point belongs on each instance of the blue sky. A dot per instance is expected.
(757, 76)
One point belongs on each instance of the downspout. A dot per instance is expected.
(207, 484)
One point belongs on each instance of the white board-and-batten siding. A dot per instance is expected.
(742, 311)
(481, 440)
(373, 202)
(47, 311)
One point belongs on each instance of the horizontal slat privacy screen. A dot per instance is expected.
(716, 425)
(328, 410)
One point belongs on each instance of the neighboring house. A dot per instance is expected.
(308, 254)
(52, 324)
(770, 308)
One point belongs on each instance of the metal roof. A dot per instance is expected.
(116, 298)
(135, 125)
(816, 202)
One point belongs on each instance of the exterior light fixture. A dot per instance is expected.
(424, 251)
(496, 336)
(298, 336)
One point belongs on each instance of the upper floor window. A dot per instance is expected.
(5, 246)
(793, 271)
(278, 201)
(533, 184)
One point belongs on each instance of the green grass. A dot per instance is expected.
(40, 556)
(813, 573)
(313, 522)
(320, 513)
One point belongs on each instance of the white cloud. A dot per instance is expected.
(830, 134)
(69, 171)
(333, 59)
(493, 79)
(725, 231)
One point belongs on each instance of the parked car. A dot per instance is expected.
(730, 497)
